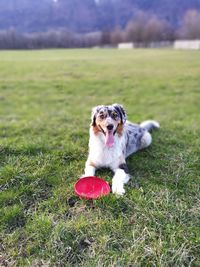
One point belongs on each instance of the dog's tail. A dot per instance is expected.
(150, 125)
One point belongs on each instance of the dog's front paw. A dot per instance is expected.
(118, 188)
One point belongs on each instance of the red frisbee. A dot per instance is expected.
(91, 187)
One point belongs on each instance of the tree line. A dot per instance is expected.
(144, 29)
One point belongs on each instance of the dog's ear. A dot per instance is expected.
(95, 110)
(121, 111)
(93, 117)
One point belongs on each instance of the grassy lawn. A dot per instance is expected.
(45, 103)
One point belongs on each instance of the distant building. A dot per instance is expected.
(187, 44)
(125, 45)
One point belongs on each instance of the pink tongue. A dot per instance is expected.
(109, 139)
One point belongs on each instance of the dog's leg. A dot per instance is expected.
(89, 169)
(120, 178)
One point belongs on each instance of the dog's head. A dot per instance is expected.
(109, 120)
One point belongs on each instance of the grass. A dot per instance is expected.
(45, 103)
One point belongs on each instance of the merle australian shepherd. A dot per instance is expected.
(112, 140)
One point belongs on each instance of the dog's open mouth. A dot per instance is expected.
(109, 138)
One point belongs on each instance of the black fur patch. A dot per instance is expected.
(120, 111)
(124, 167)
(94, 121)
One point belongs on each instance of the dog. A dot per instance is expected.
(112, 140)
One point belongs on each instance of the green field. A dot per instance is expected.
(45, 103)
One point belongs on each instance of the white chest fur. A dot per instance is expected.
(103, 156)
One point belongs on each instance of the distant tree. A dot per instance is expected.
(147, 28)
(135, 29)
(89, 40)
(158, 30)
(52, 39)
(191, 25)
(105, 38)
(117, 36)
(10, 39)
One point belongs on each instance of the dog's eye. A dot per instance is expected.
(101, 116)
(114, 115)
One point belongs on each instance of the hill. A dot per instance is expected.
(88, 15)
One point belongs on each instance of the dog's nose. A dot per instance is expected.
(110, 127)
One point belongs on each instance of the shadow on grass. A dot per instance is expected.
(31, 150)
(35, 150)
